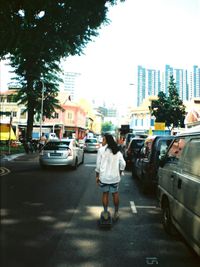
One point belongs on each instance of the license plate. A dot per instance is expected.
(55, 154)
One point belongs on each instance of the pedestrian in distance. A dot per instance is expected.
(42, 141)
(109, 166)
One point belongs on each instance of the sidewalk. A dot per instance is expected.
(21, 156)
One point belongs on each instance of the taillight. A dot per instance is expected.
(70, 152)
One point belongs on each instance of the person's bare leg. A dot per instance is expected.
(105, 200)
(116, 204)
(116, 200)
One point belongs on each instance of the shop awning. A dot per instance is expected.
(6, 132)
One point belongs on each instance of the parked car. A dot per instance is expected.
(91, 145)
(61, 153)
(126, 142)
(147, 163)
(132, 151)
(179, 187)
(81, 143)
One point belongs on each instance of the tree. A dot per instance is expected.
(107, 127)
(38, 33)
(171, 109)
(177, 108)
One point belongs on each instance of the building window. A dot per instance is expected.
(14, 114)
(11, 99)
(2, 99)
(23, 114)
(69, 115)
(56, 115)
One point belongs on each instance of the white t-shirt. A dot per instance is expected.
(109, 165)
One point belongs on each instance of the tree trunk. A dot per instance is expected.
(30, 120)
(31, 108)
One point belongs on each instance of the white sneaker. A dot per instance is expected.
(116, 216)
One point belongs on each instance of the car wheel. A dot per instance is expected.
(143, 185)
(43, 166)
(82, 161)
(75, 164)
(166, 217)
(133, 172)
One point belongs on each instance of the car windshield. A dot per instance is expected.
(57, 145)
(91, 141)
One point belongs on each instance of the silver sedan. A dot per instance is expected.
(65, 152)
(91, 145)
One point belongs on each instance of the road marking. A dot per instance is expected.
(4, 171)
(90, 165)
(146, 207)
(133, 207)
(151, 260)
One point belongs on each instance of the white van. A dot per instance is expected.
(179, 187)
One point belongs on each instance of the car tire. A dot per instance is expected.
(143, 185)
(166, 217)
(133, 172)
(75, 166)
(43, 166)
(82, 161)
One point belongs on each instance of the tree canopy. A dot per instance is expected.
(36, 34)
(107, 127)
(169, 109)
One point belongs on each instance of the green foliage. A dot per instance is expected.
(171, 109)
(36, 34)
(4, 149)
(60, 28)
(107, 127)
(49, 80)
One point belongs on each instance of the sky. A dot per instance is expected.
(150, 33)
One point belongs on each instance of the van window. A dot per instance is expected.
(176, 150)
(163, 148)
(192, 157)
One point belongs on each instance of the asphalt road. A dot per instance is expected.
(49, 219)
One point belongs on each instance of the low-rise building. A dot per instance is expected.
(70, 119)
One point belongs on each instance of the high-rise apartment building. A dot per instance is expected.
(151, 82)
(168, 73)
(141, 84)
(181, 79)
(196, 81)
(71, 83)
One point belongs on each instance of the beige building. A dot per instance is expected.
(11, 111)
(141, 119)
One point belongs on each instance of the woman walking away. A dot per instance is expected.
(110, 163)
